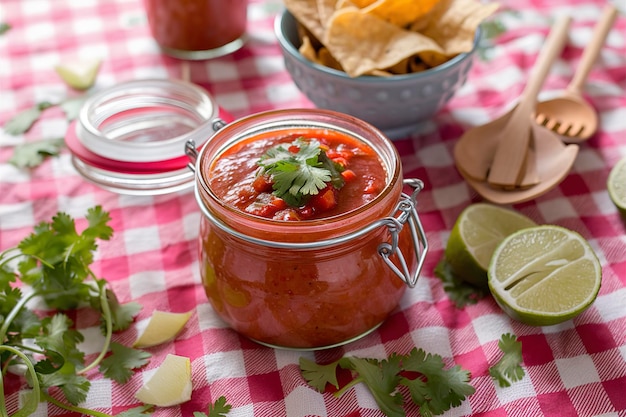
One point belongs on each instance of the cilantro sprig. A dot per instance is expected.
(54, 263)
(218, 409)
(299, 170)
(508, 369)
(432, 386)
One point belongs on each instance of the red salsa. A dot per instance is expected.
(309, 297)
(196, 25)
(357, 176)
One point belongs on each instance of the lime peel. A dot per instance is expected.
(616, 185)
(544, 275)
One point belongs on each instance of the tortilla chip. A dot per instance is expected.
(326, 58)
(362, 3)
(362, 42)
(325, 9)
(454, 27)
(400, 12)
(306, 13)
(307, 50)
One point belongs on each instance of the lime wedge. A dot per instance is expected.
(169, 385)
(80, 75)
(162, 327)
(476, 234)
(544, 275)
(616, 185)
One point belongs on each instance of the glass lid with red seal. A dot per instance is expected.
(130, 138)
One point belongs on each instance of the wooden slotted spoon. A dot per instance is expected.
(570, 115)
(498, 152)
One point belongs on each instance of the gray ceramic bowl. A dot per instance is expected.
(396, 105)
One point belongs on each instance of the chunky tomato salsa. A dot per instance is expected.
(298, 175)
(307, 297)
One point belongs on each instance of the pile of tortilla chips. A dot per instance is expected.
(386, 37)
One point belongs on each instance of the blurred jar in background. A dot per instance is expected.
(197, 29)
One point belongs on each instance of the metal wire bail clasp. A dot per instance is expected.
(190, 146)
(406, 215)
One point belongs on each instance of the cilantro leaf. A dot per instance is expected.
(508, 369)
(460, 292)
(4, 28)
(319, 375)
(219, 409)
(381, 377)
(436, 389)
(71, 106)
(32, 154)
(119, 365)
(75, 387)
(24, 120)
(295, 170)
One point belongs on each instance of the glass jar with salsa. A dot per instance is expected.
(307, 239)
(197, 29)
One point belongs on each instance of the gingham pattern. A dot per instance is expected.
(576, 368)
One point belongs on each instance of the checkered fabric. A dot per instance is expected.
(575, 368)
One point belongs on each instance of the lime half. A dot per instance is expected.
(544, 275)
(616, 185)
(476, 234)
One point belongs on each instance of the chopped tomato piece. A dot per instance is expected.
(294, 149)
(262, 184)
(324, 200)
(348, 175)
(340, 160)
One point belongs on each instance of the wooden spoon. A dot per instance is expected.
(554, 161)
(497, 151)
(570, 115)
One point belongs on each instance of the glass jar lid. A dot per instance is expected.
(130, 138)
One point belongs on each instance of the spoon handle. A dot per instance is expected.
(551, 49)
(509, 166)
(592, 50)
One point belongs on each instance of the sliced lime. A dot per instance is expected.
(616, 185)
(477, 232)
(544, 275)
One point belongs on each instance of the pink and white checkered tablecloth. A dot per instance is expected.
(575, 368)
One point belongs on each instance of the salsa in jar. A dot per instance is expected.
(197, 29)
(298, 213)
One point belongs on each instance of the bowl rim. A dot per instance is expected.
(289, 48)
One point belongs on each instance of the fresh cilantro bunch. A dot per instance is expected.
(299, 170)
(432, 386)
(53, 264)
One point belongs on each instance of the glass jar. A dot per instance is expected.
(197, 29)
(308, 284)
(130, 138)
